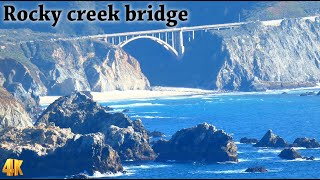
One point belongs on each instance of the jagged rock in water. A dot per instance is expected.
(289, 154)
(84, 153)
(248, 140)
(256, 169)
(60, 67)
(41, 140)
(155, 134)
(305, 142)
(202, 143)
(308, 94)
(80, 113)
(271, 140)
(12, 112)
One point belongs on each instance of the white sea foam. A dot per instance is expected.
(268, 150)
(299, 160)
(151, 166)
(236, 171)
(228, 162)
(266, 158)
(135, 105)
(237, 142)
(244, 160)
(150, 117)
(97, 174)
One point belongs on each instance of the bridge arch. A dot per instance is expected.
(161, 42)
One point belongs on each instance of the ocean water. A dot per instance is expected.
(241, 115)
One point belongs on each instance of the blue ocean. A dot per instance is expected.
(239, 114)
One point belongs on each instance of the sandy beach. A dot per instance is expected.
(155, 92)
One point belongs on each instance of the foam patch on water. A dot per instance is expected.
(97, 174)
(236, 171)
(150, 117)
(299, 160)
(266, 158)
(135, 105)
(275, 151)
(228, 162)
(244, 160)
(146, 166)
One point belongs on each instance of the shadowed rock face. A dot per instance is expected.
(306, 142)
(51, 151)
(61, 67)
(271, 140)
(12, 112)
(83, 115)
(203, 143)
(248, 140)
(289, 153)
(256, 169)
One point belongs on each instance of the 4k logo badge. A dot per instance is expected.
(12, 167)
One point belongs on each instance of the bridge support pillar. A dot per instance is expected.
(180, 44)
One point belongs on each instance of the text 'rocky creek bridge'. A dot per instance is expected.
(173, 39)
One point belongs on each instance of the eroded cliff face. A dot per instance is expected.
(259, 57)
(254, 57)
(47, 67)
(12, 113)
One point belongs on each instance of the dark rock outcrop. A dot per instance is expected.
(308, 94)
(256, 169)
(248, 140)
(80, 113)
(271, 140)
(12, 112)
(155, 134)
(84, 153)
(41, 140)
(289, 154)
(306, 142)
(48, 150)
(202, 143)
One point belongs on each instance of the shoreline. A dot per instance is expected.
(165, 92)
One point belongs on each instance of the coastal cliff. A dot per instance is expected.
(47, 67)
(257, 56)
(12, 113)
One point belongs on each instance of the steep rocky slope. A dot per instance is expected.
(60, 67)
(256, 57)
(12, 112)
(80, 113)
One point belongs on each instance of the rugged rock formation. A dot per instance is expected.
(80, 113)
(248, 140)
(256, 169)
(155, 134)
(306, 142)
(12, 112)
(30, 101)
(41, 139)
(256, 57)
(289, 153)
(271, 140)
(202, 143)
(48, 150)
(308, 94)
(60, 67)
